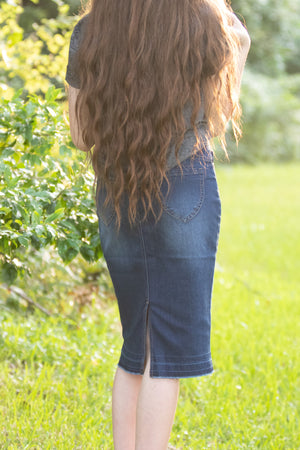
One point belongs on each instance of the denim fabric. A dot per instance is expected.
(163, 274)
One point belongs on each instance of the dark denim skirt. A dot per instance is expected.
(163, 274)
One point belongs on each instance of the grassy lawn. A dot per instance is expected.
(56, 375)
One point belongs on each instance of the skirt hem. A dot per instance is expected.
(166, 370)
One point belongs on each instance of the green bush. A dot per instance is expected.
(45, 191)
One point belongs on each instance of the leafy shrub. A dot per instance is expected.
(45, 191)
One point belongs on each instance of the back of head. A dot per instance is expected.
(140, 62)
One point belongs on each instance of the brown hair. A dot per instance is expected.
(141, 62)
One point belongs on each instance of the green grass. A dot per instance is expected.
(56, 376)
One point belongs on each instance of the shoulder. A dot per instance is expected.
(72, 74)
(78, 32)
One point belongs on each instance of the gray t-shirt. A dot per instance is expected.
(187, 146)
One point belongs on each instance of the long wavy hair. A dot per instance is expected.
(141, 62)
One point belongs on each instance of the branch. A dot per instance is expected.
(20, 293)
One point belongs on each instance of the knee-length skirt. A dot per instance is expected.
(163, 273)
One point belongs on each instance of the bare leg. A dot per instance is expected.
(156, 408)
(124, 400)
(143, 409)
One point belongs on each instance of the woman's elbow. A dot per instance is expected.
(81, 146)
(246, 41)
(78, 142)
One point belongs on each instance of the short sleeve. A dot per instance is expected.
(72, 73)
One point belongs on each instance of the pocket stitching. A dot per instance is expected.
(104, 219)
(185, 219)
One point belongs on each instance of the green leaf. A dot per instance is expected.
(30, 108)
(14, 38)
(51, 111)
(52, 94)
(36, 242)
(51, 230)
(56, 215)
(9, 273)
(24, 241)
(40, 230)
(67, 249)
(87, 252)
(4, 210)
(35, 218)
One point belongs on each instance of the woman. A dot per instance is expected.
(150, 83)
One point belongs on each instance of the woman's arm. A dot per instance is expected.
(75, 128)
(245, 43)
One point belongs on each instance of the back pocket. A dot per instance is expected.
(185, 196)
(105, 213)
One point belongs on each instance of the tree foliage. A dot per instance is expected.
(270, 93)
(37, 60)
(274, 26)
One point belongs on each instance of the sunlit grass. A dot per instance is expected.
(252, 399)
(55, 382)
(56, 375)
